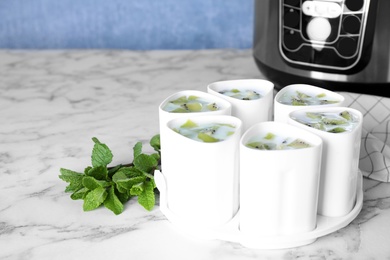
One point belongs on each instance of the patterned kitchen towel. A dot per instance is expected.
(375, 147)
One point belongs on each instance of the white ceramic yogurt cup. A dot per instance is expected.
(202, 178)
(249, 111)
(225, 108)
(340, 163)
(281, 111)
(278, 188)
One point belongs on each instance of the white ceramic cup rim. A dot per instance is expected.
(313, 139)
(222, 119)
(312, 89)
(262, 86)
(220, 101)
(330, 109)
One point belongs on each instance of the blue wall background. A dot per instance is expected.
(126, 24)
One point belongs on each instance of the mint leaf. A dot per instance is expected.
(155, 143)
(120, 189)
(145, 163)
(94, 199)
(101, 154)
(156, 156)
(91, 183)
(130, 171)
(132, 181)
(146, 198)
(79, 194)
(87, 169)
(137, 149)
(113, 170)
(73, 178)
(112, 202)
(114, 186)
(99, 173)
(137, 189)
(154, 183)
(119, 176)
(124, 182)
(123, 197)
(69, 175)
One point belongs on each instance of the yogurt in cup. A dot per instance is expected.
(201, 174)
(279, 181)
(340, 129)
(189, 102)
(298, 96)
(251, 99)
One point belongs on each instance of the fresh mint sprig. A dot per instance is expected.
(114, 186)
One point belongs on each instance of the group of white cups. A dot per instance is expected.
(277, 192)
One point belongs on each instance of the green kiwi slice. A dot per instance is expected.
(192, 97)
(258, 145)
(179, 100)
(210, 130)
(212, 107)
(194, 107)
(298, 143)
(207, 138)
(326, 102)
(346, 115)
(337, 130)
(179, 110)
(269, 136)
(313, 115)
(302, 95)
(189, 124)
(332, 121)
(253, 95)
(298, 102)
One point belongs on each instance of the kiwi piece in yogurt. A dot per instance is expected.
(300, 98)
(245, 94)
(271, 141)
(205, 132)
(332, 122)
(298, 144)
(190, 104)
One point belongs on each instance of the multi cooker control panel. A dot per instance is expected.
(325, 34)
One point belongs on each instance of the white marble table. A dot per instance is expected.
(53, 102)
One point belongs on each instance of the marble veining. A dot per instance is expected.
(53, 102)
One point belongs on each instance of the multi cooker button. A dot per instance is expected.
(334, 10)
(318, 29)
(351, 24)
(323, 9)
(292, 39)
(291, 18)
(354, 5)
(347, 46)
(320, 9)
